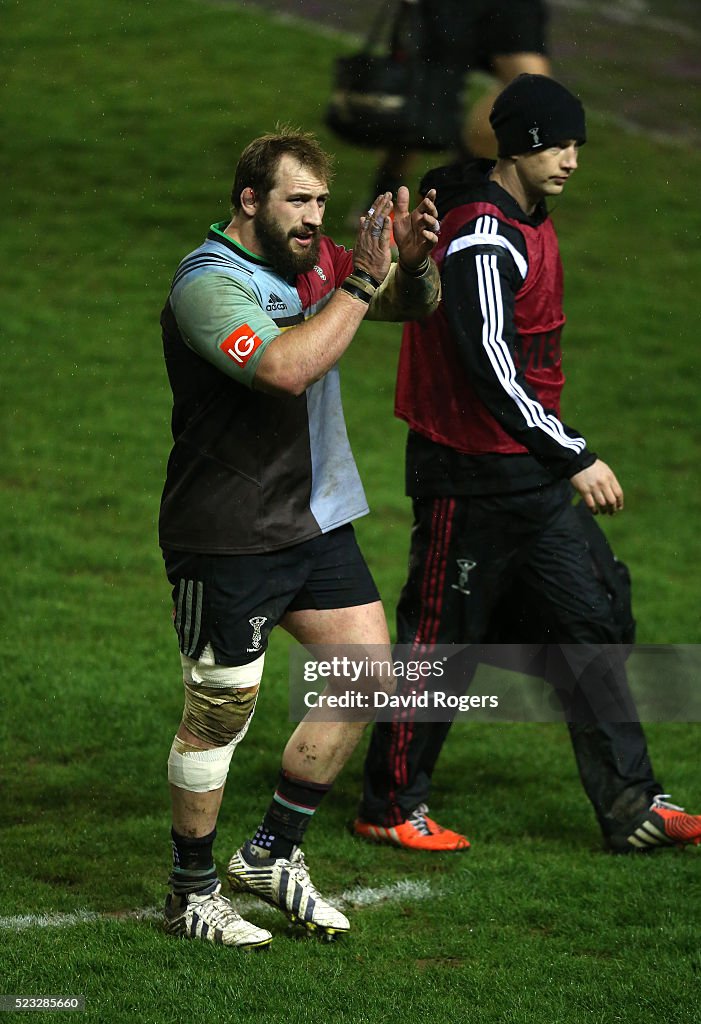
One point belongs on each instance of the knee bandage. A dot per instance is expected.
(219, 706)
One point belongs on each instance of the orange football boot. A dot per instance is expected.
(664, 825)
(418, 832)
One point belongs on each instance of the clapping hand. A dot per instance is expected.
(415, 231)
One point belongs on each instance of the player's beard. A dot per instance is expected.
(277, 246)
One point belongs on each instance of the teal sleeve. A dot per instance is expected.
(221, 319)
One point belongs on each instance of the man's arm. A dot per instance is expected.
(408, 290)
(403, 296)
(303, 354)
(483, 270)
(221, 319)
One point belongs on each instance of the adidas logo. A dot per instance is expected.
(275, 303)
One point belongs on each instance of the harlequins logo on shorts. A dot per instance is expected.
(275, 303)
(464, 567)
(256, 640)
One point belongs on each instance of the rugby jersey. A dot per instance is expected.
(480, 381)
(248, 471)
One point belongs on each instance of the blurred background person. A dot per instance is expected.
(504, 38)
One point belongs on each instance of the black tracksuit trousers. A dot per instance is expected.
(515, 568)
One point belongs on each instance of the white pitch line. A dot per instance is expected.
(404, 890)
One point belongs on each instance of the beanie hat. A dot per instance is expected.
(534, 112)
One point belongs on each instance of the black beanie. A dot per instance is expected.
(534, 112)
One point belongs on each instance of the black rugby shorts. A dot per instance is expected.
(233, 602)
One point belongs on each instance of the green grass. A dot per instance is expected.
(123, 122)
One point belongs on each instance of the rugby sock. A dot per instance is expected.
(193, 863)
(290, 812)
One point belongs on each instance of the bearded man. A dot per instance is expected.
(260, 496)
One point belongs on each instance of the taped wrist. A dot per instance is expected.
(362, 275)
(361, 285)
(415, 271)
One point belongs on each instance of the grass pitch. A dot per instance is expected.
(123, 123)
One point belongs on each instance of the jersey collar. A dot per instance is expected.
(216, 233)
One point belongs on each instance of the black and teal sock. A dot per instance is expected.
(289, 814)
(193, 863)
